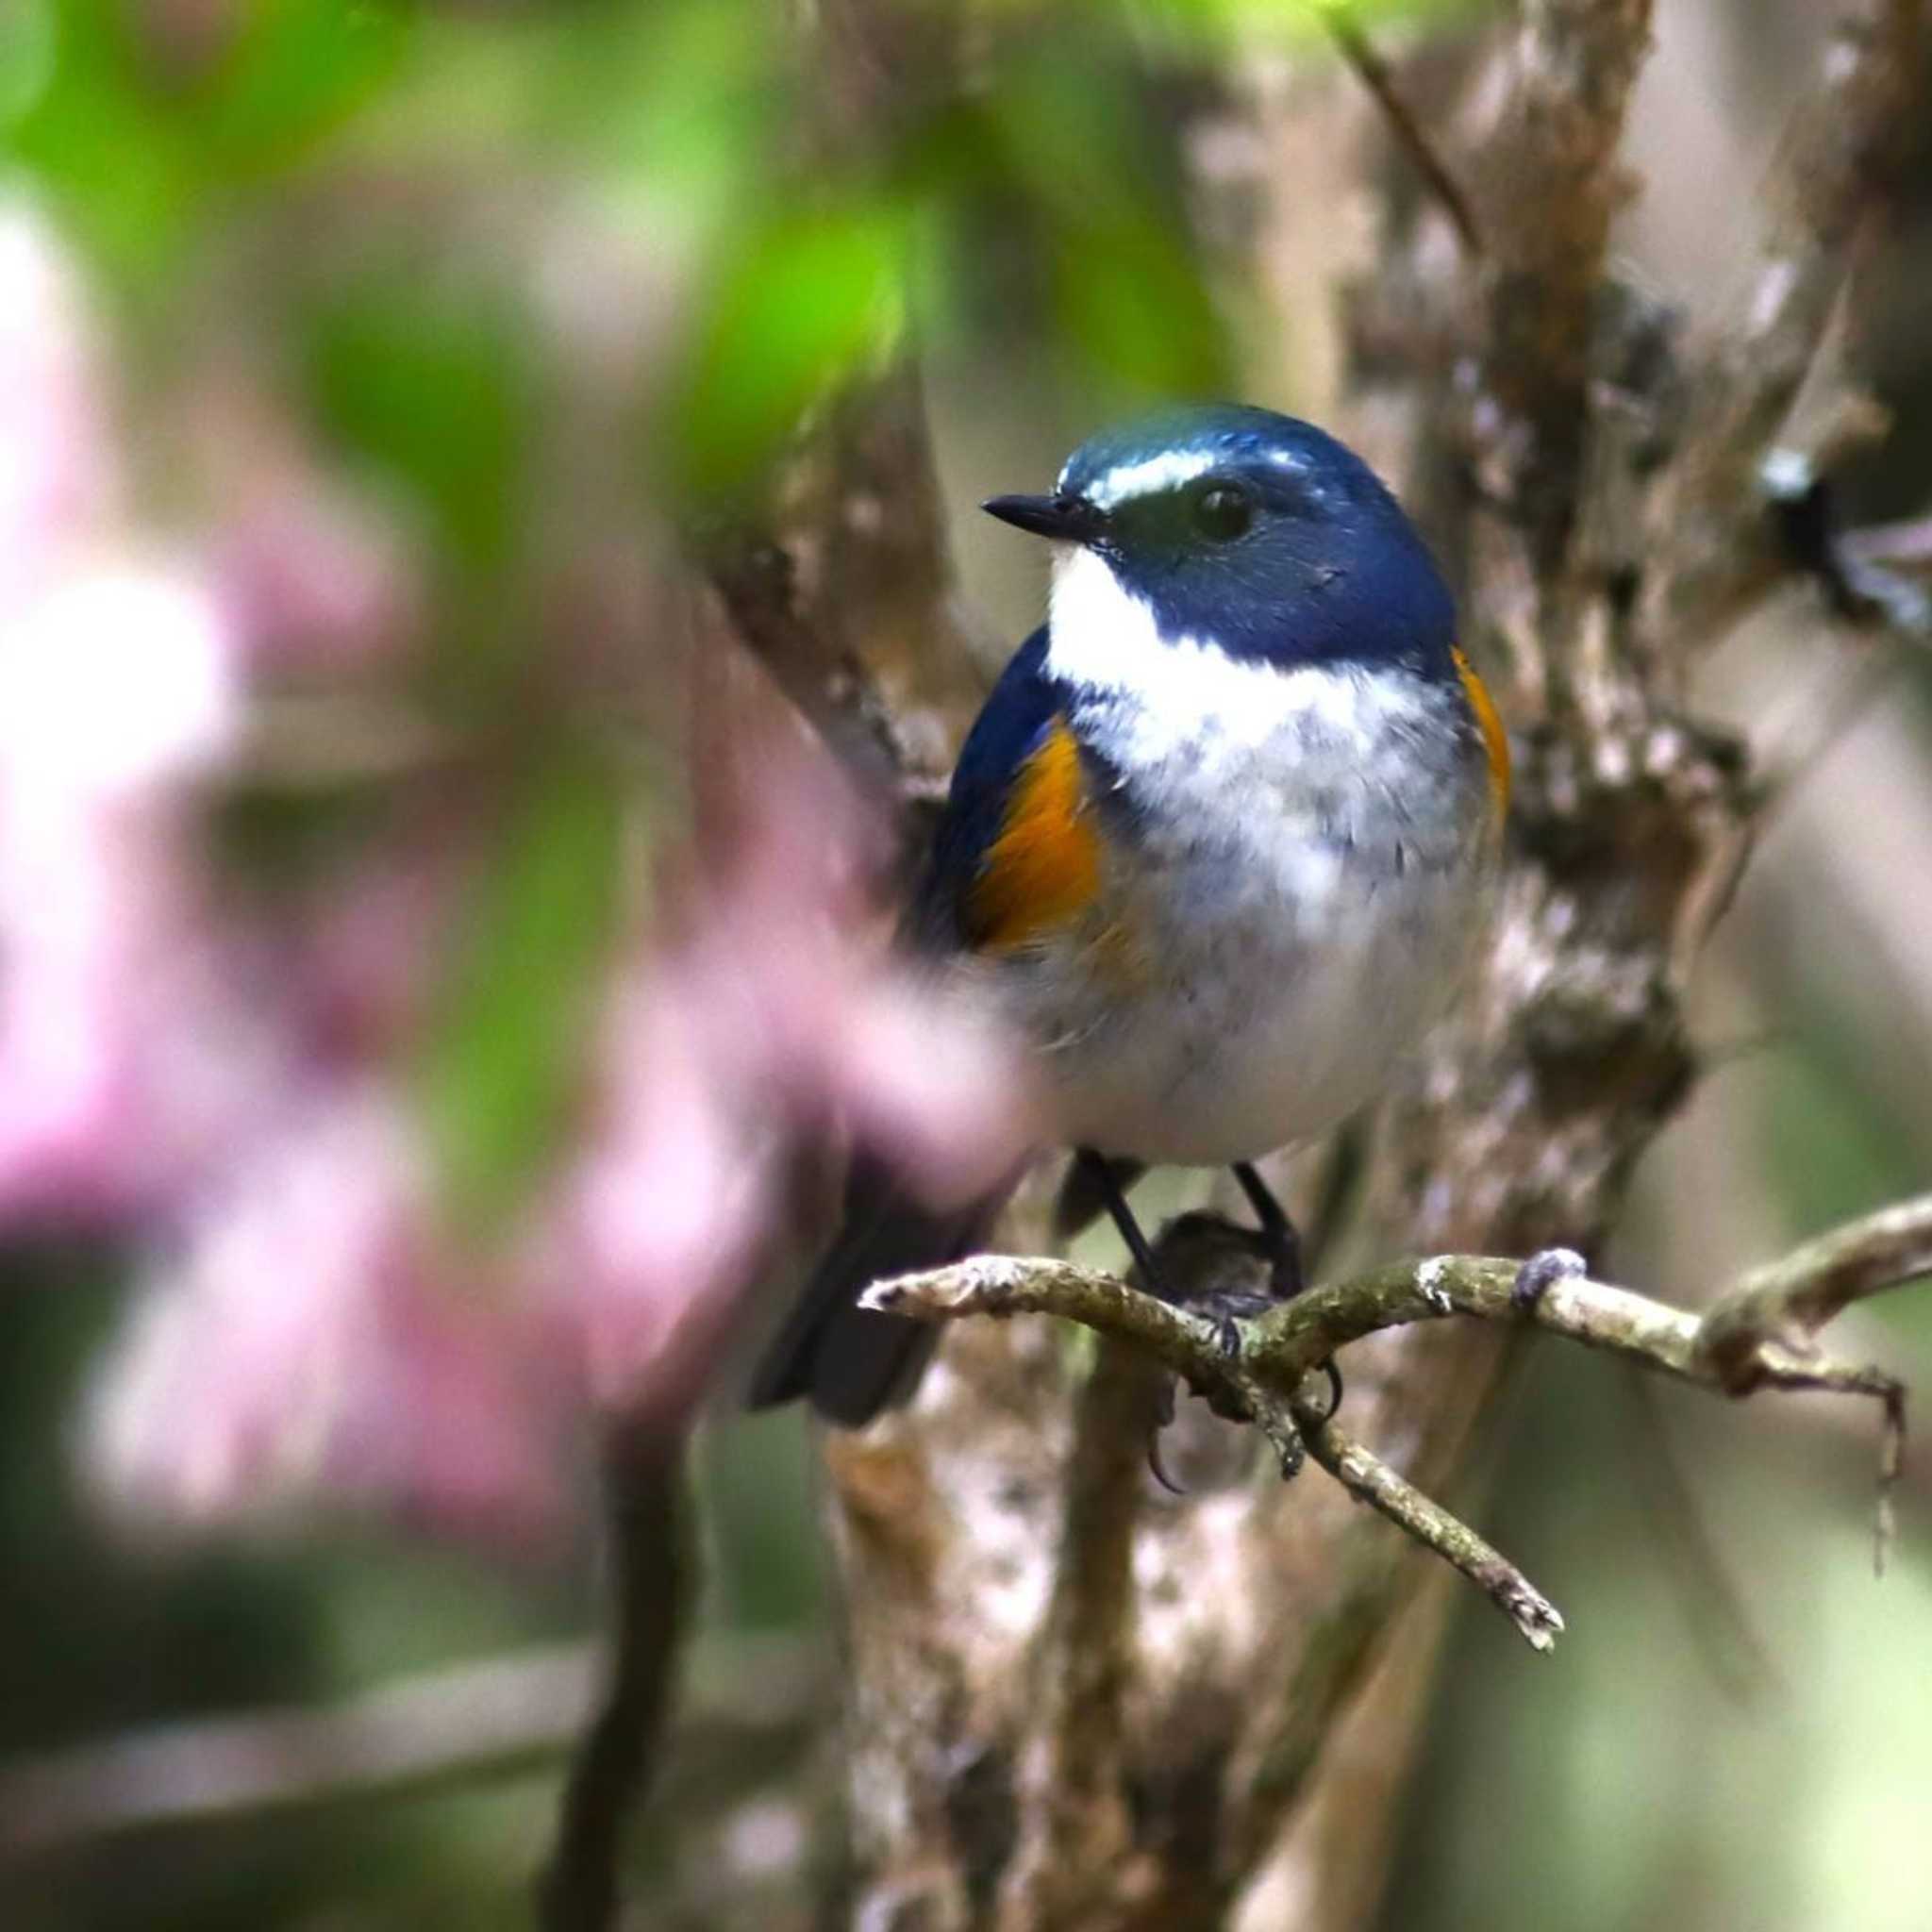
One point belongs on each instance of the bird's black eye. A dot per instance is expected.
(1221, 513)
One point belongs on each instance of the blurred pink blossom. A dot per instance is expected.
(117, 690)
(776, 1024)
(313, 1332)
(314, 577)
(120, 692)
(310, 1334)
(224, 1072)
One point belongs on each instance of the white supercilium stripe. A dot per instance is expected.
(1149, 477)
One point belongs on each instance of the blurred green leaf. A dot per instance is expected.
(298, 70)
(1278, 19)
(504, 1058)
(103, 136)
(681, 93)
(1088, 150)
(27, 40)
(138, 136)
(1132, 304)
(434, 385)
(804, 301)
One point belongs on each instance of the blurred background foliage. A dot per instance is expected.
(528, 282)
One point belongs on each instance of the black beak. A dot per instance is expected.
(1066, 519)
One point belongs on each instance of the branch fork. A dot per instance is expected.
(1759, 1335)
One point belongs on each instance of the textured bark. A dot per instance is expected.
(1076, 1701)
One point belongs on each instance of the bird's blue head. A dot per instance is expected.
(1248, 531)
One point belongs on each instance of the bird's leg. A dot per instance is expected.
(1285, 1256)
(1101, 1177)
(1277, 1232)
(1105, 1177)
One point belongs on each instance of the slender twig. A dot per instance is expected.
(755, 579)
(1905, 545)
(1759, 1335)
(1837, 168)
(470, 1722)
(1789, 1300)
(457, 1725)
(1375, 75)
(1857, 587)
(1008, 1285)
(1370, 1480)
(644, 1477)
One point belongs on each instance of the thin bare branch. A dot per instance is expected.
(1761, 1335)
(643, 1480)
(1835, 171)
(459, 1725)
(473, 1722)
(1787, 1301)
(1377, 75)
(1370, 1480)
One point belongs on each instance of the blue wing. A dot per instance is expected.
(1012, 724)
(849, 1361)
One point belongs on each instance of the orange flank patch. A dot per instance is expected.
(1495, 740)
(1043, 869)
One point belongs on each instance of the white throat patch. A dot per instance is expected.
(1169, 692)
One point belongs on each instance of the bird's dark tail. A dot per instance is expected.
(851, 1361)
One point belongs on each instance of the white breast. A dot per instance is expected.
(1301, 878)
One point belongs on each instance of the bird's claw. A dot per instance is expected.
(1328, 1368)
(1163, 1418)
(1158, 1470)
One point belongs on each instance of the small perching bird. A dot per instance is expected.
(1217, 847)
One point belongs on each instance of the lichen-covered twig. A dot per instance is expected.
(1761, 1335)
(1370, 1480)
(1008, 1285)
(1787, 1301)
